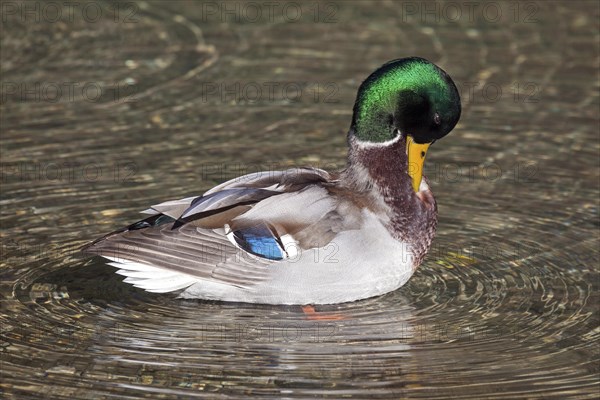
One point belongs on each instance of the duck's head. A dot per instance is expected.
(407, 98)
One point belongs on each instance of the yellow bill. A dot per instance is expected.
(416, 157)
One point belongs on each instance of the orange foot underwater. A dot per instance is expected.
(313, 315)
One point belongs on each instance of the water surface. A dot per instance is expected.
(162, 100)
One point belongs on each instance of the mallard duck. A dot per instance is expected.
(305, 235)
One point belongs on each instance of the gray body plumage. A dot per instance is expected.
(342, 237)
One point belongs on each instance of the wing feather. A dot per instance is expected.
(196, 253)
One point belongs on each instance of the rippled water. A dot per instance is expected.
(154, 101)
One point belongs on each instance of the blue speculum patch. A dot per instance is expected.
(259, 241)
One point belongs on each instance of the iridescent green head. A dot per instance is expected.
(408, 95)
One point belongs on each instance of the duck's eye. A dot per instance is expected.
(436, 119)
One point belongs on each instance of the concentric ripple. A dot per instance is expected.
(504, 306)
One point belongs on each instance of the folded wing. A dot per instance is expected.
(230, 235)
